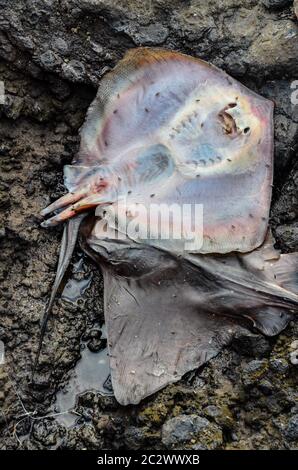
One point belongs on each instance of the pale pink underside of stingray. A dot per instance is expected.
(166, 128)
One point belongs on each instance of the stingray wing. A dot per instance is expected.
(167, 315)
(155, 335)
(142, 93)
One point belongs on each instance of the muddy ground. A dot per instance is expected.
(52, 56)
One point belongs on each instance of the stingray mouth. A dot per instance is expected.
(228, 123)
(232, 118)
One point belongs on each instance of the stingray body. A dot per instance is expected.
(169, 130)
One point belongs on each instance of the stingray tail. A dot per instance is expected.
(69, 238)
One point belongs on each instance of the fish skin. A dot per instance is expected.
(168, 314)
(174, 127)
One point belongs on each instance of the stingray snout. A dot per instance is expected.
(94, 190)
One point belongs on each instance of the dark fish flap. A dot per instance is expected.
(167, 315)
(155, 337)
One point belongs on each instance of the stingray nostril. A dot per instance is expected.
(246, 130)
(232, 105)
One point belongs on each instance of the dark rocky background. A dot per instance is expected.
(52, 56)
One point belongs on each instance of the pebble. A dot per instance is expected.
(280, 366)
(60, 45)
(74, 71)
(49, 60)
(185, 428)
(292, 428)
(253, 372)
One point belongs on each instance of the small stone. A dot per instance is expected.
(279, 365)
(292, 428)
(185, 428)
(147, 35)
(220, 414)
(212, 411)
(134, 437)
(253, 372)
(49, 60)
(96, 344)
(60, 45)
(74, 71)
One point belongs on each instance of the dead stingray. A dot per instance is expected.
(167, 129)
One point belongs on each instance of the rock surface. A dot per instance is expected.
(53, 54)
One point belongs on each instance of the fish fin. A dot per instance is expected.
(154, 338)
(282, 269)
(156, 332)
(270, 320)
(69, 238)
(286, 271)
(167, 315)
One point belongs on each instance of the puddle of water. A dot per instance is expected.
(92, 372)
(74, 288)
